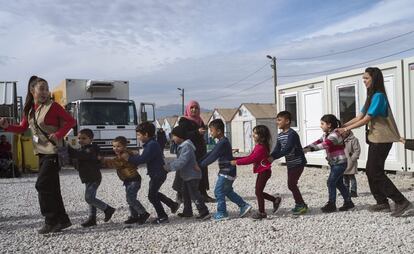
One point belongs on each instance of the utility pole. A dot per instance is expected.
(182, 100)
(274, 75)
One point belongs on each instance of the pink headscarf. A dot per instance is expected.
(197, 119)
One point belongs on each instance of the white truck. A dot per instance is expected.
(104, 107)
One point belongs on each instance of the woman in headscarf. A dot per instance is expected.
(195, 129)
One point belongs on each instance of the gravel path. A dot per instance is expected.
(357, 231)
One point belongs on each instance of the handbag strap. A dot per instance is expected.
(41, 130)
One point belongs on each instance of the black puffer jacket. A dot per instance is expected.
(87, 163)
(194, 135)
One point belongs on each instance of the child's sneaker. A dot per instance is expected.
(259, 216)
(220, 217)
(276, 204)
(244, 210)
(160, 221)
(347, 206)
(330, 207)
(204, 216)
(143, 218)
(131, 220)
(300, 209)
(354, 194)
(89, 223)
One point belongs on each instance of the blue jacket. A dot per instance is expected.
(223, 152)
(152, 156)
(186, 161)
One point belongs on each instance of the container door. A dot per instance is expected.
(312, 113)
(247, 130)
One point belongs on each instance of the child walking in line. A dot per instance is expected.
(227, 173)
(261, 167)
(154, 158)
(288, 145)
(88, 165)
(352, 152)
(334, 145)
(190, 173)
(132, 181)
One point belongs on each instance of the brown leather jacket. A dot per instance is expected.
(126, 171)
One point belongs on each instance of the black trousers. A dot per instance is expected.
(381, 186)
(191, 192)
(48, 188)
(203, 185)
(156, 197)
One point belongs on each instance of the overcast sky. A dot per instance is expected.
(202, 46)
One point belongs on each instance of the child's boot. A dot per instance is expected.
(330, 207)
(90, 222)
(109, 211)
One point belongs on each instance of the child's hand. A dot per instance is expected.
(202, 131)
(306, 150)
(270, 159)
(402, 140)
(233, 163)
(124, 156)
(197, 167)
(166, 168)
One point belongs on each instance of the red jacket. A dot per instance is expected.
(52, 118)
(258, 158)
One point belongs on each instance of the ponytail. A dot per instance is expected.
(332, 120)
(29, 103)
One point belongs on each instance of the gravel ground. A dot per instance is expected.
(357, 231)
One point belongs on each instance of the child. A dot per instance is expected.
(261, 167)
(227, 173)
(153, 157)
(132, 181)
(334, 145)
(88, 165)
(352, 152)
(288, 145)
(190, 173)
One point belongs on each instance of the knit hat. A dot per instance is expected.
(180, 132)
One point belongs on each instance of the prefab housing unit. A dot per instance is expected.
(343, 94)
(247, 116)
(226, 115)
(169, 124)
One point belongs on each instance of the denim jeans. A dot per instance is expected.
(90, 198)
(224, 188)
(191, 192)
(336, 181)
(350, 182)
(135, 207)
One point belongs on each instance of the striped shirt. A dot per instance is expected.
(289, 146)
(334, 145)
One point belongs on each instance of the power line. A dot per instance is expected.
(245, 89)
(345, 51)
(248, 76)
(344, 67)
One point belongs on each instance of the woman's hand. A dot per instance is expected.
(342, 130)
(233, 163)
(202, 131)
(4, 123)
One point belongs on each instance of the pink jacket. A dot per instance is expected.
(258, 158)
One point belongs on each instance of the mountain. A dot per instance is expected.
(171, 110)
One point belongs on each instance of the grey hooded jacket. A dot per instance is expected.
(186, 161)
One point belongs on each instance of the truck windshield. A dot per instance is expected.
(107, 113)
